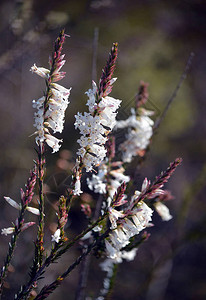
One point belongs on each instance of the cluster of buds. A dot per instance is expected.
(51, 107)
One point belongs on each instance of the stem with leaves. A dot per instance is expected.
(48, 289)
(54, 255)
(26, 198)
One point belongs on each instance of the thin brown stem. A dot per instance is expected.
(174, 94)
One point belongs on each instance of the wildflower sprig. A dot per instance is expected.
(50, 115)
(137, 215)
(20, 225)
(106, 81)
(114, 229)
(95, 125)
(51, 107)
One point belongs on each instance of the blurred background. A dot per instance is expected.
(155, 40)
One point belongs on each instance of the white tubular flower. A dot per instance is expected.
(52, 142)
(138, 136)
(163, 211)
(6, 231)
(56, 236)
(111, 251)
(114, 215)
(77, 189)
(44, 73)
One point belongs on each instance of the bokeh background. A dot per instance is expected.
(155, 40)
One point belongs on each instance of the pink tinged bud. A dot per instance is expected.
(22, 194)
(145, 184)
(61, 89)
(6, 231)
(56, 236)
(145, 235)
(58, 76)
(86, 209)
(27, 225)
(12, 202)
(33, 210)
(40, 71)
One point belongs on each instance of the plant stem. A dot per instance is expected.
(80, 294)
(10, 253)
(51, 258)
(48, 289)
(174, 94)
(40, 235)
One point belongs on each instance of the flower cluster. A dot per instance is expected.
(119, 238)
(139, 134)
(108, 179)
(137, 215)
(94, 128)
(51, 107)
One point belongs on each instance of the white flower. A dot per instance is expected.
(95, 184)
(163, 211)
(10, 230)
(6, 231)
(114, 215)
(129, 255)
(111, 251)
(107, 180)
(40, 71)
(56, 236)
(77, 189)
(53, 142)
